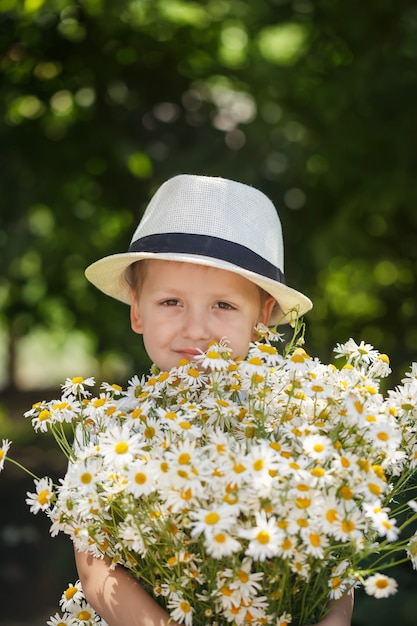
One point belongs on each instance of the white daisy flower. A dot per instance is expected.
(349, 527)
(119, 446)
(42, 499)
(315, 542)
(209, 521)
(243, 580)
(262, 465)
(317, 447)
(72, 595)
(141, 479)
(253, 611)
(112, 388)
(182, 499)
(220, 543)
(264, 537)
(89, 506)
(268, 354)
(386, 435)
(357, 354)
(187, 466)
(299, 360)
(62, 620)
(381, 522)
(380, 368)
(85, 474)
(254, 366)
(380, 586)
(216, 358)
(76, 386)
(85, 614)
(4, 448)
(41, 417)
(192, 376)
(97, 408)
(300, 565)
(180, 609)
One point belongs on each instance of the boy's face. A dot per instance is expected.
(180, 307)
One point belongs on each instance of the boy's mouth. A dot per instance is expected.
(188, 353)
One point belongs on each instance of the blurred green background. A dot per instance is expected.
(312, 101)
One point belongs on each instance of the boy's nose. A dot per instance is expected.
(196, 325)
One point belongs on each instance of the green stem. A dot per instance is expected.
(22, 467)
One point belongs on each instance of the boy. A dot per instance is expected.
(205, 264)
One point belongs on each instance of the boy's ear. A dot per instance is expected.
(266, 310)
(135, 317)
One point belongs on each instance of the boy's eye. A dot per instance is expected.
(224, 305)
(170, 302)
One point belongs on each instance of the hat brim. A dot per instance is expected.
(108, 275)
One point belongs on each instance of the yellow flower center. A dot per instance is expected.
(212, 354)
(348, 526)
(263, 537)
(185, 607)
(243, 576)
(43, 497)
(299, 356)
(70, 593)
(375, 489)
(315, 540)
(121, 447)
(382, 583)
(346, 493)
(212, 518)
(44, 415)
(303, 503)
(267, 348)
(318, 472)
(332, 515)
(317, 388)
(258, 465)
(84, 616)
(140, 478)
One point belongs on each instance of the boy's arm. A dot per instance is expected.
(340, 613)
(120, 599)
(117, 597)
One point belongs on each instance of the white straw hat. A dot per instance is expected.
(208, 221)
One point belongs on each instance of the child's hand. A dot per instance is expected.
(340, 613)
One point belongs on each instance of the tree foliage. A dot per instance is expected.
(311, 102)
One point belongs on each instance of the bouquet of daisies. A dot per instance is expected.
(240, 491)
